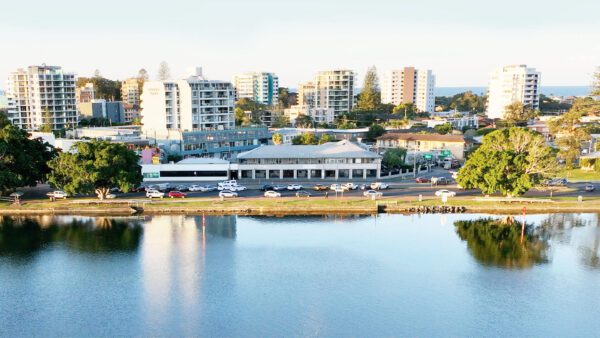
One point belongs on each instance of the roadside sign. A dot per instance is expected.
(446, 153)
(428, 156)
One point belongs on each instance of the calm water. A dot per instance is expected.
(434, 275)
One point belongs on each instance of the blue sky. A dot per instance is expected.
(460, 40)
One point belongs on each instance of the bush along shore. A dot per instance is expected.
(297, 206)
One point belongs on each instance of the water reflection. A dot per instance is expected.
(24, 236)
(502, 243)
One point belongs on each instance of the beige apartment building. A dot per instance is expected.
(419, 144)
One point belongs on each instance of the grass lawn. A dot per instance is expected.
(579, 175)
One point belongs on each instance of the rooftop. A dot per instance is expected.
(423, 137)
(341, 149)
(202, 160)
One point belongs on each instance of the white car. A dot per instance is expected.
(57, 194)
(228, 193)
(335, 187)
(279, 187)
(272, 193)
(294, 187)
(350, 186)
(222, 187)
(155, 194)
(445, 192)
(379, 186)
(111, 196)
(195, 188)
(240, 188)
(372, 193)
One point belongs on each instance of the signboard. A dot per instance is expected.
(428, 156)
(446, 153)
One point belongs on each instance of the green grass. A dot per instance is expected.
(579, 175)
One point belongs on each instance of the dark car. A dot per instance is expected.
(176, 194)
(320, 187)
(266, 187)
(303, 193)
(182, 188)
(422, 180)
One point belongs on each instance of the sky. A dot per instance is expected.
(462, 41)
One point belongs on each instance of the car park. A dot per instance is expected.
(335, 187)
(445, 192)
(176, 194)
(294, 187)
(320, 187)
(208, 188)
(272, 193)
(303, 193)
(182, 187)
(228, 194)
(194, 187)
(589, 187)
(422, 180)
(350, 186)
(154, 194)
(279, 187)
(372, 193)
(379, 186)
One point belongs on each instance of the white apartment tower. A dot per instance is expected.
(331, 89)
(190, 104)
(42, 95)
(130, 92)
(410, 85)
(509, 84)
(260, 87)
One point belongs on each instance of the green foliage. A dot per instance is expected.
(303, 121)
(443, 128)
(22, 161)
(549, 105)
(510, 161)
(485, 131)
(408, 110)
(305, 139)
(280, 121)
(569, 135)
(394, 158)
(517, 112)
(103, 88)
(370, 95)
(496, 243)
(596, 83)
(96, 167)
(174, 158)
(94, 122)
(467, 101)
(241, 119)
(284, 97)
(277, 138)
(47, 126)
(374, 132)
(326, 138)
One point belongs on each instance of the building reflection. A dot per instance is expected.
(501, 242)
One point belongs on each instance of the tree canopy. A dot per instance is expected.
(374, 132)
(22, 160)
(569, 135)
(96, 167)
(394, 158)
(109, 90)
(443, 128)
(303, 121)
(370, 95)
(510, 161)
(277, 138)
(517, 112)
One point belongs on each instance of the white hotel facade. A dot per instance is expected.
(509, 84)
(260, 87)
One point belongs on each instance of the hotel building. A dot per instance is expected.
(410, 85)
(515, 83)
(259, 87)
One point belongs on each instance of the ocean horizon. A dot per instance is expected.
(546, 90)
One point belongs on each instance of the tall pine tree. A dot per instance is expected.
(370, 96)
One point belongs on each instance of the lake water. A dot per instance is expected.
(392, 275)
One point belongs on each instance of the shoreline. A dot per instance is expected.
(295, 206)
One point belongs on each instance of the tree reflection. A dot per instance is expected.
(498, 243)
(24, 236)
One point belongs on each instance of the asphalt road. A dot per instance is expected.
(398, 188)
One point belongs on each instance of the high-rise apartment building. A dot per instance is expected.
(509, 84)
(130, 92)
(410, 85)
(190, 104)
(42, 95)
(259, 87)
(331, 89)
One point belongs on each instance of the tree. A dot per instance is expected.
(443, 128)
(97, 73)
(280, 121)
(517, 112)
(96, 167)
(103, 88)
(277, 138)
(303, 121)
(305, 139)
(509, 161)
(241, 119)
(569, 135)
(370, 95)
(47, 125)
(284, 97)
(406, 109)
(326, 138)
(143, 75)
(467, 101)
(596, 83)
(22, 160)
(374, 132)
(164, 73)
(394, 158)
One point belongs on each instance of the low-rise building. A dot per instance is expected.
(318, 115)
(333, 160)
(191, 169)
(420, 144)
(458, 123)
(112, 111)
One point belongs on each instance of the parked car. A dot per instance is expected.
(194, 187)
(320, 187)
(228, 194)
(240, 188)
(294, 187)
(57, 194)
(111, 196)
(589, 187)
(303, 193)
(379, 186)
(266, 187)
(154, 194)
(363, 186)
(207, 188)
(335, 187)
(272, 193)
(440, 181)
(230, 187)
(350, 186)
(176, 194)
(445, 192)
(279, 187)
(182, 187)
(372, 193)
(422, 180)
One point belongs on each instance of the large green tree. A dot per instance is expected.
(394, 158)
(370, 95)
(374, 132)
(22, 160)
(96, 167)
(510, 161)
(569, 135)
(517, 112)
(304, 121)
(443, 128)
(104, 88)
(468, 101)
